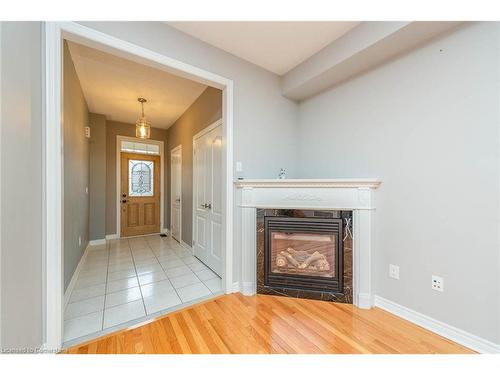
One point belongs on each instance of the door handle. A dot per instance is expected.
(124, 201)
(203, 205)
(209, 206)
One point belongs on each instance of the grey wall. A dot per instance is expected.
(113, 129)
(97, 178)
(21, 190)
(76, 168)
(204, 111)
(427, 124)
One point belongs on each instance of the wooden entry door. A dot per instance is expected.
(207, 171)
(140, 194)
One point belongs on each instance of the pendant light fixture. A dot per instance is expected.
(142, 126)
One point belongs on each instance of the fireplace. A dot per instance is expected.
(303, 253)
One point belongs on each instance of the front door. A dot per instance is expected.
(176, 192)
(207, 169)
(140, 194)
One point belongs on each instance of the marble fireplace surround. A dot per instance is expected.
(356, 195)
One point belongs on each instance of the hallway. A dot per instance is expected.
(125, 281)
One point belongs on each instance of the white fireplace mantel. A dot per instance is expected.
(356, 195)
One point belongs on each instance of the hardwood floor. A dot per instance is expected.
(268, 324)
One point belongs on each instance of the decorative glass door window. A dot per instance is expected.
(140, 178)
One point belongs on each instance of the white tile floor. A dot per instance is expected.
(129, 279)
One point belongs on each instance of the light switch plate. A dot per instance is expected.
(239, 166)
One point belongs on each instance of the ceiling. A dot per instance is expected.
(275, 46)
(111, 86)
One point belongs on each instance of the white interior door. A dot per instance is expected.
(207, 172)
(176, 192)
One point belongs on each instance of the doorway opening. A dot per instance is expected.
(56, 33)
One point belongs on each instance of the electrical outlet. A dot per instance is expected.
(437, 283)
(394, 271)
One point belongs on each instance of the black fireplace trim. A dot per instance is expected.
(304, 282)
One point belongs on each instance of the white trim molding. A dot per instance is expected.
(452, 333)
(311, 183)
(111, 237)
(352, 195)
(165, 231)
(53, 145)
(72, 282)
(172, 151)
(0, 189)
(186, 246)
(102, 241)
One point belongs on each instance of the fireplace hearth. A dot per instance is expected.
(305, 253)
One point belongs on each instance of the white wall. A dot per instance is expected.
(427, 124)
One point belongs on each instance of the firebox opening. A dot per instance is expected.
(304, 254)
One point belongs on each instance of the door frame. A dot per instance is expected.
(55, 32)
(175, 149)
(119, 140)
(200, 134)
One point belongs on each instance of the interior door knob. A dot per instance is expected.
(209, 206)
(124, 201)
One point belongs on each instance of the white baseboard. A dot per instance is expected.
(165, 231)
(183, 244)
(365, 301)
(248, 288)
(452, 333)
(72, 282)
(235, 288)
(97, 242)
(111, 236)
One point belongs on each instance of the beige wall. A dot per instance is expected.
(113, 129)
(76, 169)
(203, 112)
(97, 183)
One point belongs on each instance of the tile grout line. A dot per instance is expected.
(196, 274)
(137, 277)
(105, 288)
(165, 272)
